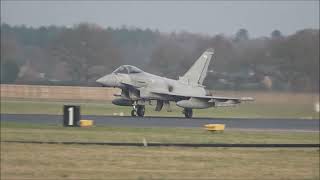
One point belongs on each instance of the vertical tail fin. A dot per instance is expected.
(198, 71)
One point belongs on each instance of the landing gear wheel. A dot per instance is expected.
(133, 112)
(141, 110)
(187, 113)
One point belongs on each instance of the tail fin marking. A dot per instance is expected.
(198, 71)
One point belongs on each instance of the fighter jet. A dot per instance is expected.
(188, 92)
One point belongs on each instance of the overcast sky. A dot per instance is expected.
(207, 17)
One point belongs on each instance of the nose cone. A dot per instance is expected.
(108, 81)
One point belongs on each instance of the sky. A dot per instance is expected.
(260, 18)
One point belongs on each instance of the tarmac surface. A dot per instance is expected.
(176, 122)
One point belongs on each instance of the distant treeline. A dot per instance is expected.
(79, 55)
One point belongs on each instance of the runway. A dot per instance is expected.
(175, 122)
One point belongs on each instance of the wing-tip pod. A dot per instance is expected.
(247, 99)
(210, 50)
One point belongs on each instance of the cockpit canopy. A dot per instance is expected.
(127, 69)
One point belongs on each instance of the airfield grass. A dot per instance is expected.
(47, 161)
(44, 132)
(245, 110)
(57, 161)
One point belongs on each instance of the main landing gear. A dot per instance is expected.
(187, 112)
(138, 110)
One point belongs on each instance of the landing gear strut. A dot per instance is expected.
(133, 112)
(138, 110)
(187, 112)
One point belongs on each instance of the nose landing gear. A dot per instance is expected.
(138, 110)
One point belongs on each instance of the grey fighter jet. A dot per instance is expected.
(139, 88)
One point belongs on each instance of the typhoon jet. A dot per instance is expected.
(139, 88)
